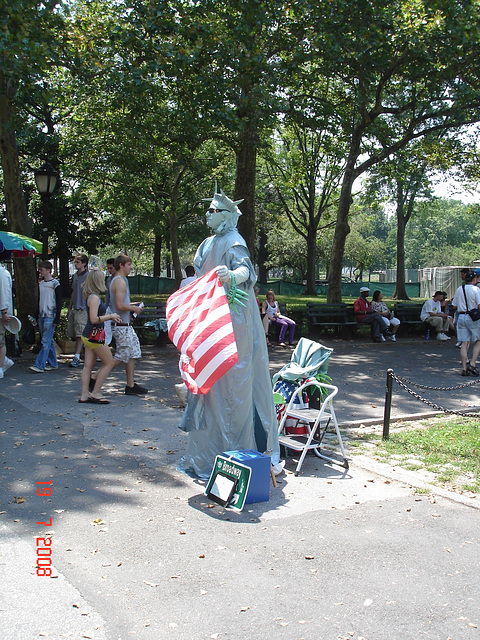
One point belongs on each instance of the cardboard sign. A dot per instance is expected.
(228, 483)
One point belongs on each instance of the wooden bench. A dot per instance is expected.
(409, 315)
(152, 319)
(331, 316)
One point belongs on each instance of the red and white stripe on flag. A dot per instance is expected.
(200, 326)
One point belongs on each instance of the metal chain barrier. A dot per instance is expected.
(424, 386)
(402, 382)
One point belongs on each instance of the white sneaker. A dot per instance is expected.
(442, 336)
(7, 364)
(393, 338)
(382, 338)
(278, 468)
(36, 369)
(181, 391)
(1, 374)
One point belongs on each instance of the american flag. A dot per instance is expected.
(200, 326)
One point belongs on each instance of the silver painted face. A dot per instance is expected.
(215, 217)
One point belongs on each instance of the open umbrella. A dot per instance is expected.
(18, 245)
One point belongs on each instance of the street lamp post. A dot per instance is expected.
(46, 180)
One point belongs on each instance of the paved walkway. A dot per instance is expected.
(139, 552)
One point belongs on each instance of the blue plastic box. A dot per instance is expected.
(259, 487)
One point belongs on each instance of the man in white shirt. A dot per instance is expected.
(6, 311)
(467, 298)
(432, 314)
(190, 276)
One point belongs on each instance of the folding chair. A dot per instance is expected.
(316, 420)
(308, 360)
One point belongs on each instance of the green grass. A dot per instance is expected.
(448, 447)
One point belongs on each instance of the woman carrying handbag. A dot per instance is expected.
(93, 338)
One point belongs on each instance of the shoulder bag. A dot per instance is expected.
(473, 313)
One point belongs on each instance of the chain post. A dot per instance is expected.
(402, 382)
(388, 405)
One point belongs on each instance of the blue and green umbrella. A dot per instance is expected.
(17, 245)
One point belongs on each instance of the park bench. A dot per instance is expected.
(152, 320)
(324, 315)
(409, 315)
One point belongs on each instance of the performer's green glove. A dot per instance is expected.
(235, 296)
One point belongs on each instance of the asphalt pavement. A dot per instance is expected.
(139, 552)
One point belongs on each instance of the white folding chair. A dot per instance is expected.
(317, 422)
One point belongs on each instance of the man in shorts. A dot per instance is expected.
(126, 340)
(77, 309)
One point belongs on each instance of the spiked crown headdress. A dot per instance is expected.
(221, 201)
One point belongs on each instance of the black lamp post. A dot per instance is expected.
(46, 180)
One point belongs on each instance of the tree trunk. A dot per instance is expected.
(342, 229)
(246, 165)
(311, 260)
(63, 258)
(26, 284)
(157, 256)
(400, 290)
(174, 228)
(262, 255)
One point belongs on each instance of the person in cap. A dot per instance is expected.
(77, 314)
(388, 316)
(364, 314)
(238, 412)
(433, 315)
(466, 298)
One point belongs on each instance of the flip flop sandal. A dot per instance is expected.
(98, 400)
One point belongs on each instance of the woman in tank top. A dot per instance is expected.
(92, 287)
(272, 311)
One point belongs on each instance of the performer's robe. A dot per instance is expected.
(238, 412)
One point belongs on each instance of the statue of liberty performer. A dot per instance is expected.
(238, 412)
